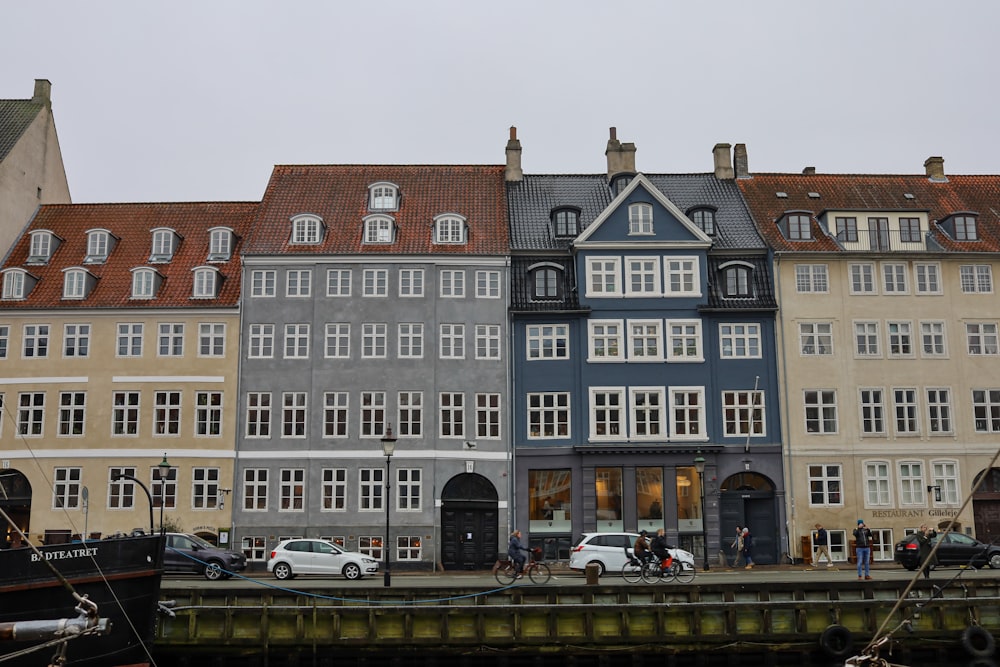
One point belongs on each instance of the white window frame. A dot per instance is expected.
(410, 340)
(72, 414)
(647, 411)
(306, 230)
(263, 283)
(76, 341)
(812, 279)
(906, 411)
(131, 334)
(98, 244)
(861, 278)
(740, 340)
(872, 412)
(298, 283)
(986, 410)
(451, 414)
(867, 339)
(291, 490)
(255, 489)
(617, 403)
(976, 278)
(488, 342)
(816, 400)
(927, 278)
(204, 282)
(944, 474)
(411, 283)
(74, 284)
(910, 478)
(982, 339)
(208, 411)
(815, 338)
(940, 417)
(296, 341)
(681, 276)
(604, 277)
(640, 219)
(604, 336)
(933, 335)
(452, 284)
(338, 282)
(410, 414)
(687, 413)
(680, 340)
(878, 483)
(13, 284)
(143, 284)
(488, 285)
(642, 277)
(294, 414)
(375, 283)
(379, 229)
(900, 344)
(830, 480)
(204, 488)
(449, 229)
(258, 415)
(260, 339)
(374, 340)
(895, 279)
(126, 410)
(337, 340)
(36, 340)
(409, 490)
(488, 415)
(336, 414)
(220, 244)
(451, 338)
(167, 411)
(549, 410)
(373, 413)
(170, 339)
(545, 342)
(383, 197)
(333, 490)
(744, 413)
(645, 340)
(212, 339)
(371, 490)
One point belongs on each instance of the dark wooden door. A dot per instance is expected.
(468, 537)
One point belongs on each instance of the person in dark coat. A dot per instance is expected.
(925, 538)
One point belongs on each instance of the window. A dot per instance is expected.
(259, 414)
(254, 548)
(379, 229)
(408, 547)
(866, 339)
(296, 341)
(262, 283)
(452, 415)
(546, 283)
(4, 340)
(338, 282)
(821, 411)
(847, 229)
(606, 340)
(862, 278)
(566, 223)
(255, 489)
(374, 339)
(811, 278)
(76, 340)
(411, 282)
(487, 284)
(453, 283)
(877, 493)
(166, 413)
(41, 247)
(965, 228)
(411, 340)
(72, 412)
(211, 339)
(816, 338)
(982, 338)
(338, 340)
(737, 283)
(376, 282)
(488, 341)
(986, 410)
(682, 276)
(74, 284)
(130, 339)
(645, 340)
(488, 416)
(743, 413)
(928, 278)
(548, 415)
(687, 412)
(306, 229)
(799, 228)
(292, 489)
(939, 411)
(705, 219)
(684, 340)
(909, 230)
(452, 340)
(411, 412)
(36, 341)
(894, 279)
(944, 474)
(13, 285)
(382, 197)
(911, 484)
(371, 489)
(642, 276)
(66, 488)
(208, 413)
(204, 488)
(125, 413)
(205, 284)
(825, 485)
(293, 414)
(298, 283)
(98, 247)
(872, 406)
(372, 413)
(932, 341)
(261, 341)
(334, 489)
(739, 341)
(163, 245)
(607, 413)
(603, 276)
(170, 339)
(547, 341)
(900, 339)
(408, 490)
(335, 407)
(646, 408)
(905, 407)
(976, 278)
(449, 229)
(121, 492)
(640, 219)
(220, 245)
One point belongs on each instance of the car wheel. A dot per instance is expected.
(213, 571)
(282, 571)
(600, 567)
(352, 571)
(994, 561)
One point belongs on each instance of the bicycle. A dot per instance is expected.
(633, 567)
(670, 570)
(505, 570)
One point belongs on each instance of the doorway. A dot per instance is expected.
(15, 499)
(748, 499)
(469, 523)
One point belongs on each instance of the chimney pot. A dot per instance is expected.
(621, 157)
(43, 92)
(721, 162)
(614, 134)
(513, 132)
(934, 168)
(740, 165)
(513, 172)
(809, 171)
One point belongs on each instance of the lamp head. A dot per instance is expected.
(164, 467)
(388, 441)
(699, 464)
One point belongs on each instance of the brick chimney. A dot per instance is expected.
(721, 158)
(740, 165)
(934, 168)
(621, 157)
(809, 171)
(513, 171)
(43, 92)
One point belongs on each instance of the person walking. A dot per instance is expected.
(737, 546)
(747, 549)
(821, 543)
(925, 538)
(863, 545)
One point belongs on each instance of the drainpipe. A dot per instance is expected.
(786, 448)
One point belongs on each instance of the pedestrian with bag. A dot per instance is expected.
(737, 546)
(821, 544)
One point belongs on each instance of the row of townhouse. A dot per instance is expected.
(559, 353)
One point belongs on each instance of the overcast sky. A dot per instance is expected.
(192, 100)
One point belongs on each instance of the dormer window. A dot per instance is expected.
(164, 245)
(705, 219)
(379, 229)
(796, 227)
(306, 229)
(14, 284)
(206, 281)
(546, 281)
(99, 245)
(620, 181)
(43, 244)
(144, 283)
(449, 228)
(640, 219)
(965, 228)
(75, 283)
(220, 244)
(566, 223)
(737, 280)
(383, 197)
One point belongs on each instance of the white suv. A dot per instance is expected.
(610, 551)
(305, 556)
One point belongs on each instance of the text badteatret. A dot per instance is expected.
(67, 553)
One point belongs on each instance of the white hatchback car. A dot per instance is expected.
(310, 556)
(610, 550)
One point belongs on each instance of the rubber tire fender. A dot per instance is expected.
(836, 641)
(978, 642)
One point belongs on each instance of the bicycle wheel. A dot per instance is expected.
(685, 573)
(632, 572)
(505, 574)
(652, 572)
(539, 573)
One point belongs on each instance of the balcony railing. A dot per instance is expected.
(882, 240)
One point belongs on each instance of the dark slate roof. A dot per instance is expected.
(978, 194)
(131, 225)
(338, 194)
(532, 201)
(15, 117)
(763, 288)
(523, 288)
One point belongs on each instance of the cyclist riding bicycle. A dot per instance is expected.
(641, 547)
(516, 551)
(661, 549)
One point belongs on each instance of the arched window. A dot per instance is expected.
(98, 246)
(143, 283)
(379, 229)
(383, 197)
(640, 219)
(42, 246)
(74, 284)
(737, 283)
(206, 279)
(705, 219)
(546, 281)
(13, 284)
(449, 228)
(306, 229)
(566, 223)
(220, 244)
(164, 245)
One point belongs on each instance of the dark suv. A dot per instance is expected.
(189, 554)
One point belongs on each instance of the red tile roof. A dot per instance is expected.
(842, 192)
(339, 195)
(131, 224)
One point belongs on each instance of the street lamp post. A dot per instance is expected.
(149, 496)
(699, 465)
(388, 446)
(164, 467)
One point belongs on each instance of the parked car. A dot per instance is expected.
(608, 551)
(957, 549)
(186, 553)
(308, 556)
